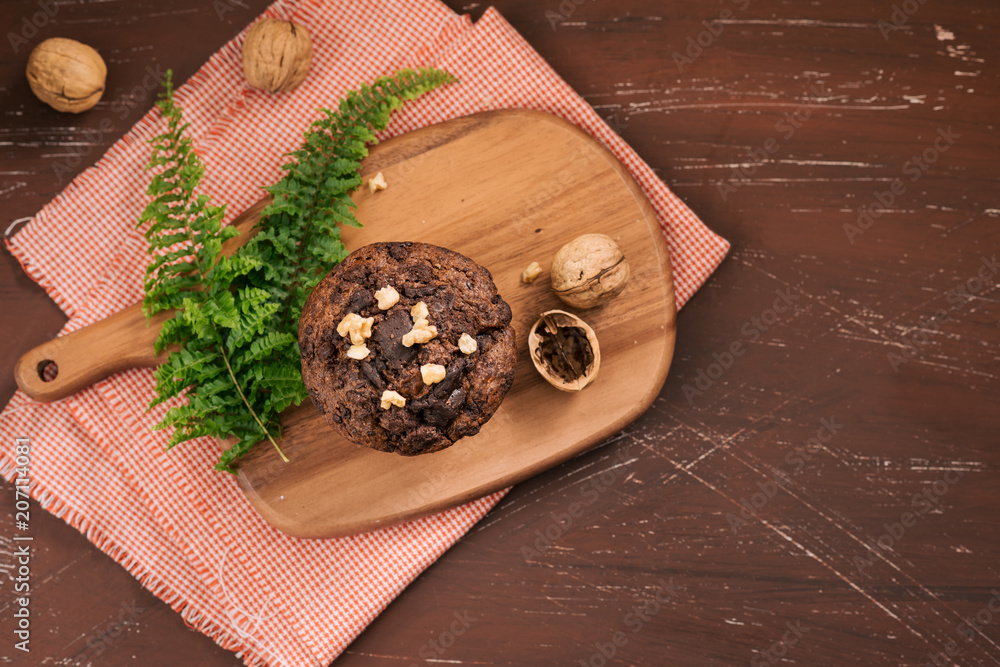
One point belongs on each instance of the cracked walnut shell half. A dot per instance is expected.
(564, 350)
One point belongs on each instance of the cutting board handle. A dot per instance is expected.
(90, 354)
(120, 342)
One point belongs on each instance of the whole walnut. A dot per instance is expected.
(276, 55)
(66, 74)
(589, 271)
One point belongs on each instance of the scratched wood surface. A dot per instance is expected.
(817, 482)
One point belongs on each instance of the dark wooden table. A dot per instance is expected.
(817, 482)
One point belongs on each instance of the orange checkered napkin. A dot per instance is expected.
(184, 530)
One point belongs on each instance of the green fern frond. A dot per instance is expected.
(237, 318)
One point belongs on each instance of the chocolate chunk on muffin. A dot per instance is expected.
(407, 347)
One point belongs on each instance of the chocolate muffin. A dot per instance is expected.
(407, 347)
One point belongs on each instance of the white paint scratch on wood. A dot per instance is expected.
(943, 35)
(11, 188)
(963, 52)
(804, 23)
(666, 106)
(819, 559)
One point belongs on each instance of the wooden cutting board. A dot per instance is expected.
(504, 188)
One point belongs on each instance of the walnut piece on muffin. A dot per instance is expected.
(439, 291)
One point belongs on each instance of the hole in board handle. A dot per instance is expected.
(47, 370)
